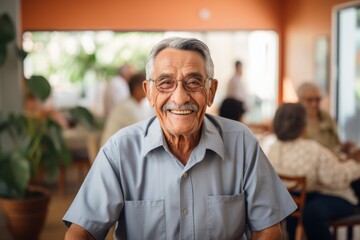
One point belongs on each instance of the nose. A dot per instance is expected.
(180, 95)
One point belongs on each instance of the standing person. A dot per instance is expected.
(117, 89)
(236, 87)
(128, 111)
(182, 174)
(328, 179)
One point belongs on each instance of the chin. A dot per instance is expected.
(181, 131)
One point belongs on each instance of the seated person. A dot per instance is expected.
(128, 111)
(328, 179)
(182, 174)
(117, 89)
(232, 108)
(320, 125)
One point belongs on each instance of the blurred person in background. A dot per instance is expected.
(323, 128)
(232, 108)
(117, 88)
(320, 125)
(236, 87)
(328, 178)
(128, 111)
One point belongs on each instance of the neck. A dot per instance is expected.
(182, 146)
(312, 117)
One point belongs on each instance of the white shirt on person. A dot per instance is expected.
(237, 89)
(116, 90)
(125, 113)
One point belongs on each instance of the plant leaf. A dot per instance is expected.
(39, 87)
(84, 116)
(7, 29)
(3, 54)
(14, 173)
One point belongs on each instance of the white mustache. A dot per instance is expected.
(191, 107)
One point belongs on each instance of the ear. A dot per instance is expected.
(147, 89)
(212, 91)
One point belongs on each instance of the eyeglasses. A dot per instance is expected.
(169, 84)
(312, 99)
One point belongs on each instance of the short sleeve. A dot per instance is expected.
(99, 201)
(268, 200)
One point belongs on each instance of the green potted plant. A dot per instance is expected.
(7, 35)
(36, 146)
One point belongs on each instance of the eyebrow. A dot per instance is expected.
(191, 74)
(194, 74)
(165, 75)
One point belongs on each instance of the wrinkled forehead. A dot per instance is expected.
(175, 61)
(311, 92)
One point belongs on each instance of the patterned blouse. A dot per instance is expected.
(324, 172)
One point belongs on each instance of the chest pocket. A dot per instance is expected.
(226, 216)
(145, 219)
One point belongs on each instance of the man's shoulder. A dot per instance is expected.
(226, 126)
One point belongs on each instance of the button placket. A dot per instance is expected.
(186, 205)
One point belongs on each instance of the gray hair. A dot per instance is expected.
(191, 44)
(306, 86)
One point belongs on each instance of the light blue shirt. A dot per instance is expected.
(226, 187)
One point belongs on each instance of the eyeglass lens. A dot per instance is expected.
(191, 84)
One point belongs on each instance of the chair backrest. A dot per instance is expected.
(297, 188)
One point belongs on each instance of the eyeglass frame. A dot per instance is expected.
(184, 81)
(312, 99)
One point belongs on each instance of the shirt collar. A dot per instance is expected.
(210, 137)
(153, 135)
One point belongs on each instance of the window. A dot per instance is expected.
(347, 78)
(77, 63)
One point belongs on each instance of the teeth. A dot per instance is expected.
(181, 112)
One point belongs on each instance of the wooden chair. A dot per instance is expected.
(349, 222)
(297, 188)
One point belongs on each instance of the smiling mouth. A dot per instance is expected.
(181, 112)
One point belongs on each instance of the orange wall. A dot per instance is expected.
(304, 21)
(149, 15)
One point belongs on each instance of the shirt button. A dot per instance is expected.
(185, 211)
(185, 175)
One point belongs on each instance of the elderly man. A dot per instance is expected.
(183, 174)
(320, 126)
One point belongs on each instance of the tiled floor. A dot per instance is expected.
(54, 228)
